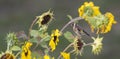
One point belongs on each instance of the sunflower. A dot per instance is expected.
(78, 46)
(65, 55)
(7, 55)
(54, 39)
(26, 53)
(45, 18)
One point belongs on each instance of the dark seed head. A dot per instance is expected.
(79, 44)
(55, 38)
(26, 53)
(46, 19)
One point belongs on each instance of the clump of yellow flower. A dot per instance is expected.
(103, 24)
(97, 45)
(88, 9)
(26, 53)
(54, 39)
(97, 21)
(65, 55)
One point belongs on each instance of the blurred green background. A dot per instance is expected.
(17, 15)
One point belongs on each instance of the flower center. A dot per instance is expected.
(46, 19)
(55, 38)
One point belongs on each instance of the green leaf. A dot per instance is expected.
(47, 38)
(15, 48)
(34, 40)
(43, 44)
(69, 36)
(34, 33)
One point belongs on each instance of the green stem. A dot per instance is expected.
(8, 45)
(17, 54)
(31, 27)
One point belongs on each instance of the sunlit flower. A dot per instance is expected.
(88, 9)
(45, 18)
(7, 56)
(65, 55)
(26, 53)
(54, 39)
(97, 45)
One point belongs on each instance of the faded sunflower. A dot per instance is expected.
(65, 55)
(26, 53)
(97, 45)
(45, 18)
(78, 46)
(54, 39)
(88, 9)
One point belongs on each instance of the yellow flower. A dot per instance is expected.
(65, 55)
(46, 57)
(26, 53)
(45, 18)
(7, 56)
(97, 45)
(110, 21)
(88, 9)
(54, 39)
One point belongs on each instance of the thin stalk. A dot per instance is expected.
(31, 27)
(17, 54)
(72, 20)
